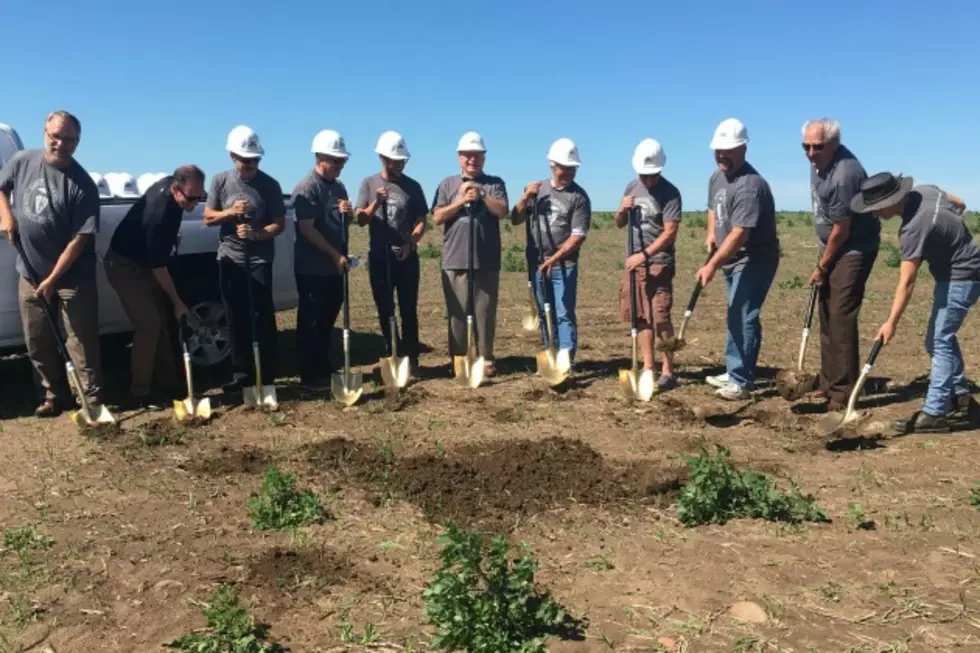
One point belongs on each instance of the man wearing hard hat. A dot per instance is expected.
(393, 206)
(136, 268)
(50, 204)
(657, 203)
(320, 206)
(247, 204)
(486, 197)
(561, 213)
(742, 226)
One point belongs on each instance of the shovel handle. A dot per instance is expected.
(875, 350)
(872, 357)
(811, 304)
(698, 287)
(45, 305)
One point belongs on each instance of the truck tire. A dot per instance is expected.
(210, 344)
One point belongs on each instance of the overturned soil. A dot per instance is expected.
(494, 483)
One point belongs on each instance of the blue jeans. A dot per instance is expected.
(747, 292)
(562, 294)
(950, 302)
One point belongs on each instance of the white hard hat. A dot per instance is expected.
(122, 184)
(471, 142)
(102, 185)
(564, 152)
(391, 145)
(244, 142)
(729, 134)
(330, 143)
(649, 157)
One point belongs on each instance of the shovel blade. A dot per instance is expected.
(99, 415)
(832, 422)
(347, 387)
(267, 399)
(637, 384)
(468, 370)
(188, 409)
(529, 320)
(394, 371)
(553, 366)
(793, 384)
(672, 344)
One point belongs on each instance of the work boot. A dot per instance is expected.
(921, 422)
(964, 406)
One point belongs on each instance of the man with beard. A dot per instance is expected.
(932, 230)
(486, 196)
(51, 205)
(742, 225)
(393, 206)
(652, 260)
(850, 246)
(561, 220)
(247, 205)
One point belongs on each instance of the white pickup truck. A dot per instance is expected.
(194, 268)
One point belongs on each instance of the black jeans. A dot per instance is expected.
(234, 293)
(404, 279)
(320, 300)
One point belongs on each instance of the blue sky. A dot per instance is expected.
(160, 84)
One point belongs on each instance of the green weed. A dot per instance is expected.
(280, 505)
(230, 629)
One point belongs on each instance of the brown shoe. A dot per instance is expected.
(489, 369)
(48, 408)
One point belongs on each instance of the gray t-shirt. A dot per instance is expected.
(656, 206)
(743, 199)
(456, 230)
(405, 206)
(316, 198)
(933, 230)
(831, 192)
(561, 213)
(51, 205)
(265, 204)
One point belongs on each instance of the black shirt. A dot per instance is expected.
(149, 231)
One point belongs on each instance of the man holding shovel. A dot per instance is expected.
(247, 205)
(742, 231)
(850, 244)
(471, 200)
(932, 230)
(563, 214)
(657, 203)
(320, 204)
(393, 205)
(50, 205)
(136, 267)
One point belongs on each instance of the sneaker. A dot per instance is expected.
(666, 383)
(732, 392)
(719, 381)
(921, 422)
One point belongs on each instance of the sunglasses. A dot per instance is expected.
(193, 198)
(247, 162)
(816, 147)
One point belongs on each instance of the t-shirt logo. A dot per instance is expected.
(818, 214)
(554, 211)
(36, 201)
(721, 211)
(648, 206)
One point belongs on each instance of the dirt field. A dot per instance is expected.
(148, 521)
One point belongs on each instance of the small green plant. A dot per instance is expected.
(349, 636)
(975, 497)
(280, 505)
(857, 517)
(430, 251)
(893, 257)
(514, 261)
(480, 602)
(25, 539)
(230, 629)
(792, 284)
(719, 492)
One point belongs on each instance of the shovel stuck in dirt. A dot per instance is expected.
(258, 395)
(87, 415)
(794, 383)
(529, 314)
(677, 342)
(832, 422)
(636, 383)
(189, 408)
(347, 386)
(394, 369)
(469, 368)
(554, 364)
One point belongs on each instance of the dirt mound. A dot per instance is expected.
(495, 483)
(248, 460)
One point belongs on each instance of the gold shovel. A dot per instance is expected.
(677, 342)
(832, 422)
(469, 368)
(188, 409)
(635, 383)
(394, 368)
(83, 417)
(346, 386)
(529, 316)
(553, 365)
(794, 383)
(258, 395)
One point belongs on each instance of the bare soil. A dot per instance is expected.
(150, 519)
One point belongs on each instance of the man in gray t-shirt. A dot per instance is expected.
(849, 246)
(742, 234)
(393, 206)
(50, 204)
(932, 230)
(471, 200)
(656, 207)
(248, 206)
(560, 212)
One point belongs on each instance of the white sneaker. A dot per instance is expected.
(732, 392)
(719, 381)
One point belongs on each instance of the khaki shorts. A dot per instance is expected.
(654, 294)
